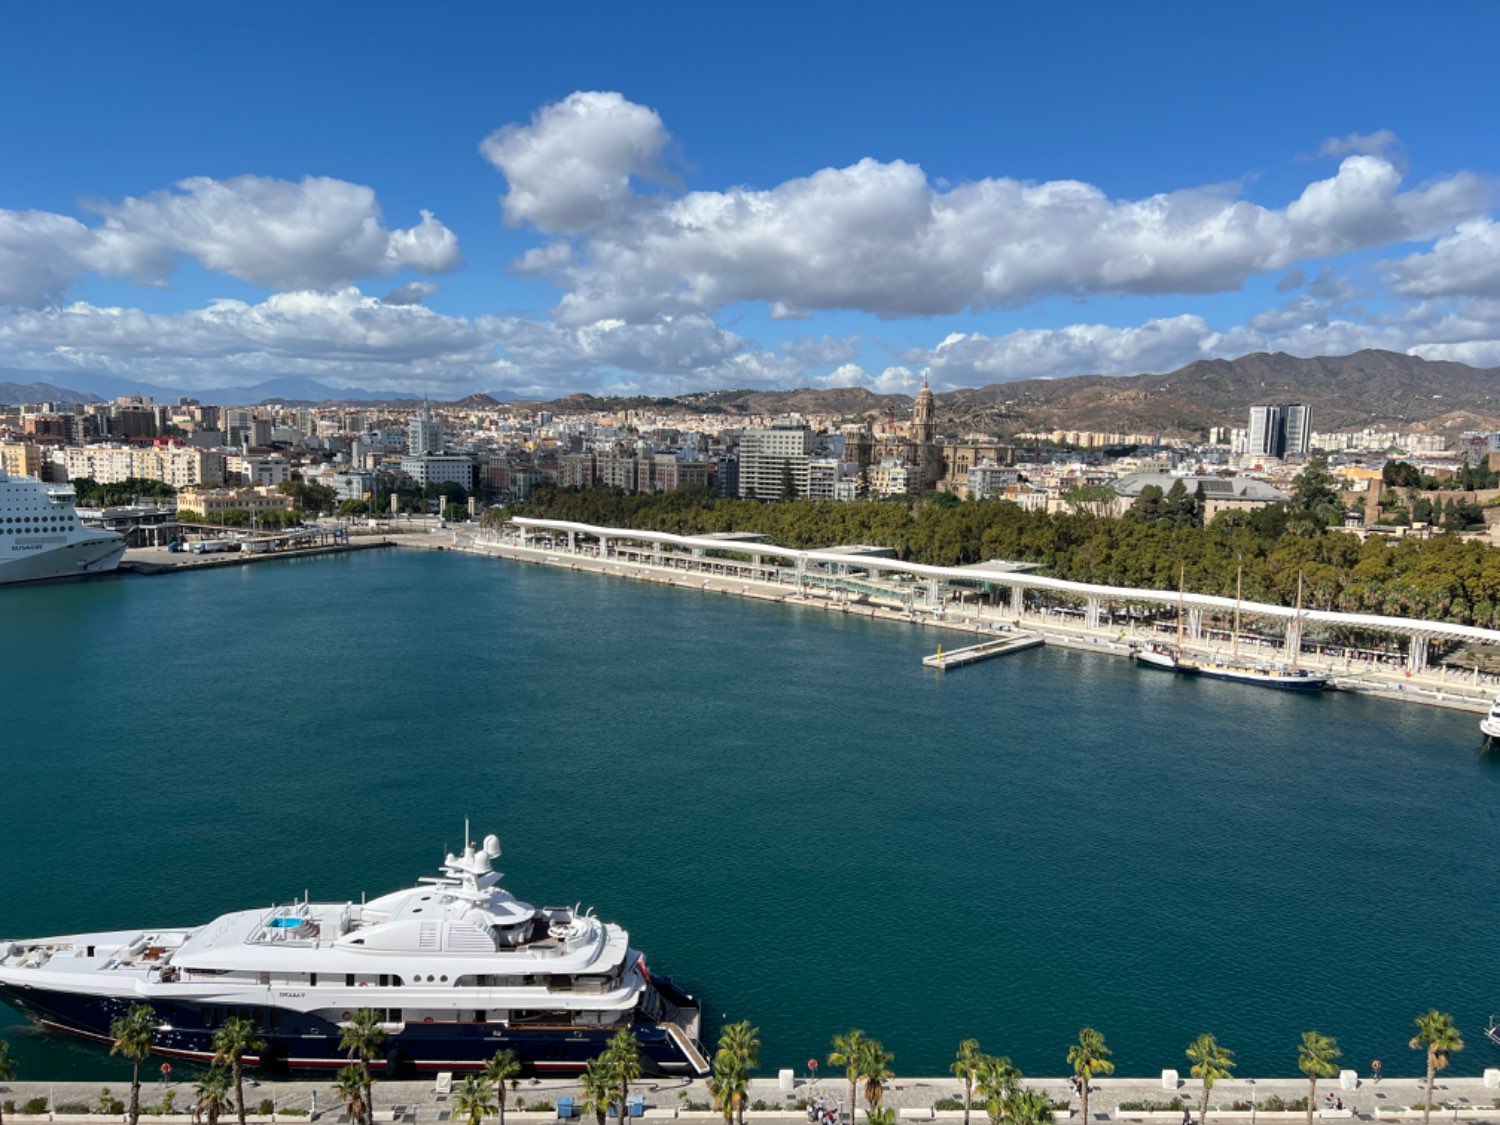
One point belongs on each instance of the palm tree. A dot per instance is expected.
(213, 1093)
(232, 1042)
(1088, 1057)
(624, 1053)
(1211, 1062)
(1029, 1107)
(874, 1068)
(361, 1037)
(741, 1043)
(845, 1053)
(349, 1086)
(729, 1085)
(7, 1071)
(472, 1098)
(500, 1070)
(599, 1085)
(1435, 1032)
(1315, 1058)
(998, 1080)
(964, 1067)
(132, 1038)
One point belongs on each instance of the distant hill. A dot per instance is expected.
(13, 394)
(1368, 388)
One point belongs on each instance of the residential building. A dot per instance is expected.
(775, 462)
(440, 468)
(1281, 430)
(21, 459)
(988, 478)
(424, 434)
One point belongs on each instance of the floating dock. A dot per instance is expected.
(971, 654)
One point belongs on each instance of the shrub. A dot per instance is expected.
(697, 1107)
(8, 1106)
(948, 1103)
(168, 1100)
(1273, 1104)
(266, 1107)
(34, 1106)
(293, 1113)
(73, 1108)
(1148, 1105)
(760, 1105)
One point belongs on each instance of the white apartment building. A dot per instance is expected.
(773, 458)
(179, 466)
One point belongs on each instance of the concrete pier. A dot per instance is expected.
(972, 654)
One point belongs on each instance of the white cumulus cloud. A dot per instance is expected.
(571, 167)
(881, 237)
(315, 233)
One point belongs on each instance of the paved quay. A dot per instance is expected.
(1435, 686)
(1460, 1098)
(159, 560)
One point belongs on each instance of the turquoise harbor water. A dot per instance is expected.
(788, 812)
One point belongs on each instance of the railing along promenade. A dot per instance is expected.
(832, 567)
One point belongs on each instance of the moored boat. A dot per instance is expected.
(455, 969)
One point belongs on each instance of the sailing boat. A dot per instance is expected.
(1262, 673)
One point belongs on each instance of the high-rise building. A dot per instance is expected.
(775, 462)
(1280, 430)
(424, 435)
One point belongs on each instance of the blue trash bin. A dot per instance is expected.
(564, 1108)
(635, 1105)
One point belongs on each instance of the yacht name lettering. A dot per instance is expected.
(292, 995)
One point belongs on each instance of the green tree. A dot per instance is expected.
(624, 1053)
(1315, 500)
(234, 1040)
(729, 1086)
(1211, 1062)
(7, 1070)
(998, 1082)
(1317, 1058)
(1437, 1035)
(1400, 474)
(1029, 1107)
(1088, 1057)
(473, 1098)
(1091, 499)
(846, 1053)
(874, 1068)
(502, 1069)
(361, 1036)
(212, 1092)
(132, 1035)
(349, 1087)
(965, 1067)
(740, 1042)
(599, 1086)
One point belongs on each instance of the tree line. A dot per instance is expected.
(1445, 578)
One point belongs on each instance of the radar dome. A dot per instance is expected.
(492, 846)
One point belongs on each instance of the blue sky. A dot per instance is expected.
(534, 199)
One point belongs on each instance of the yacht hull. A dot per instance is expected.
(303, 1041)
(98, 553)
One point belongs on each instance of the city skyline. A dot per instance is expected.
(644, 204)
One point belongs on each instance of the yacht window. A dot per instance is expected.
(444, 978)
(312, 980)
(348, 980)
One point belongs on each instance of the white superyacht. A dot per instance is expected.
(41, 536)
(455, 968)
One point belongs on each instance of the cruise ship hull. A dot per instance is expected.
(303, 1041)
(98, 553)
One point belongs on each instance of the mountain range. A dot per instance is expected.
(1385, 390)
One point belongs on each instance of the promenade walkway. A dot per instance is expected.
(963, 612)
(1461, 1098)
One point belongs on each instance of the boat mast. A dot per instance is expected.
(1181, 579)
(1239, 575)
(1297, 625)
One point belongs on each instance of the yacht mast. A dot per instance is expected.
(1297, 625)
(1181, 580)
(1239, 575)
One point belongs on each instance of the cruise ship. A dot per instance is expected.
(455, 968)
(41, 536)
